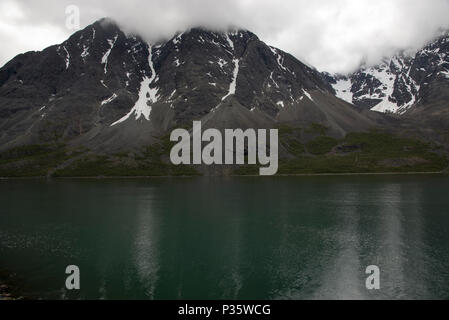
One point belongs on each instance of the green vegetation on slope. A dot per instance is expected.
(321, 145)
(290, 138)
(152, 161)
(373, 152)
(93, 166)
(58, 161)
(368, 152)
(32, 160)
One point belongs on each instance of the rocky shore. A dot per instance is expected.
(7, 291)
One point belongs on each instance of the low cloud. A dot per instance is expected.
(332, 35)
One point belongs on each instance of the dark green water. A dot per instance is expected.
(246, 238)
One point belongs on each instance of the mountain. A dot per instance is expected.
(106, 89)
(104, 102)
(401, 84)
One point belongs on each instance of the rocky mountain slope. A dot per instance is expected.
(103, 103)
(108, 90)
(401, 83)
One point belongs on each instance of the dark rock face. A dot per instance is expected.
(57, 93)
(109, 90)
(401, 83)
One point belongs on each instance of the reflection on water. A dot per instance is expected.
(392, 249)
(146, 247)
(342, 278)
(231, 283)
(234, 238)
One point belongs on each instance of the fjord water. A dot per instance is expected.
(245, 238)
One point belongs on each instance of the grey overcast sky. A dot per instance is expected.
(332, 35)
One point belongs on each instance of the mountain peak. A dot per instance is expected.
(399, 82)
(103, 84)
(110, 25)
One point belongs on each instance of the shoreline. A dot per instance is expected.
(8, 288)
(233, 175)
(5, 292)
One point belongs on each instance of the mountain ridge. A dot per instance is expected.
(103, 103)
(101, 79)
(399, 83)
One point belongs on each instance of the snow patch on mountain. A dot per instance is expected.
(387, 80)
(104, 60)
(109, 100)
(146, 95)
(178, 38)
(172, 95)
(272, 80)
(279, 58)
(67, 59)
(233, 84)
(395, 84)
(85, 52)
(230, 42)
(343, 89)
(222, 63)
(66, 56)
(307, 95)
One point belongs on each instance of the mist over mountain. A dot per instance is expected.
(403, 84)
(333, 36)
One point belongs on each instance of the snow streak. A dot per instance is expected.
(233, 84)
(104, 60)
(146, 95)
